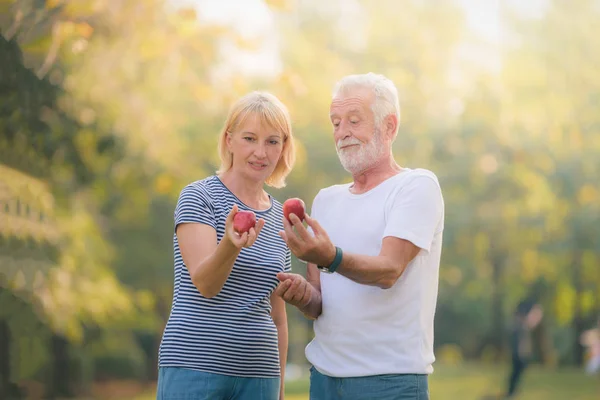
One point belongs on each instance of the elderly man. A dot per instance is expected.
(373, 257)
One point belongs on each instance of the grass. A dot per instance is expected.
(479, 382)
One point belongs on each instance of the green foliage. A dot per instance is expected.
(108, 109)
(117, 356)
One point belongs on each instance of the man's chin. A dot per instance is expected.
(355, 169)
(352, 169)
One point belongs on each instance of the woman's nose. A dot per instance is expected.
(260, 151)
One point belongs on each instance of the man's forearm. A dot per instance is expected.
(377, 271)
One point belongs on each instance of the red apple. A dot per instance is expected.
(243, 221)
(294, 206)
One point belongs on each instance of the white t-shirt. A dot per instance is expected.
(365, 330)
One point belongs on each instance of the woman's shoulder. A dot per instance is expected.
(203, 184)
(275, 202)
(206, 189)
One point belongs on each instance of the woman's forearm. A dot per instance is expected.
(210, 274)
(315, 306)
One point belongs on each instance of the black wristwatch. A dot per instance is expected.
(330, 269)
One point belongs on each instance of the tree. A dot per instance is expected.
(551, 68)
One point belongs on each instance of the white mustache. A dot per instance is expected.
(347, 142)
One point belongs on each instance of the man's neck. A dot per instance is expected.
(373, 176)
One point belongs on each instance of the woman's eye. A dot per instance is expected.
(274, 142)
(249, 139)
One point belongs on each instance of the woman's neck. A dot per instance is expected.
(249, 192)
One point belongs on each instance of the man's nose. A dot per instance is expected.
(342, 132)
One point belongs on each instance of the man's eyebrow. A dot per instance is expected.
(351, 111)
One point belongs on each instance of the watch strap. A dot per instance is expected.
(337, 260)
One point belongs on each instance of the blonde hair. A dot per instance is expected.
(272, 113)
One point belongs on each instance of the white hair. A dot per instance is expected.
(386, 95)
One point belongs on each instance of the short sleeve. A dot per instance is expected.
(416, 212)
(195, 206)
(314, 213)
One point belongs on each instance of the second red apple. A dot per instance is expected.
(294, 206)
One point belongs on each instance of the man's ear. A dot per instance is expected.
(391, 125)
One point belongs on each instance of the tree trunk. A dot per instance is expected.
(8, 389)
(498, 327)
(578, 321)
(4, 358)
(59, 386)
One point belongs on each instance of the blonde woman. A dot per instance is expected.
(226, 337)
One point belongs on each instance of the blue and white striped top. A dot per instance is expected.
(231, 333)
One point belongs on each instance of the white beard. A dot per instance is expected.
(359, 158)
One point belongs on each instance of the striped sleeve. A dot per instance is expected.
(288, 261)
(195, 206)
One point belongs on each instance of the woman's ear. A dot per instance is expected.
(228, 141)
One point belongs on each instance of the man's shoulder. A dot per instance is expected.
(333, 190)
(421, 172)
(418, 176)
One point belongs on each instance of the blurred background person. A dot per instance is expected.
(590, 339)
(527, 317)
